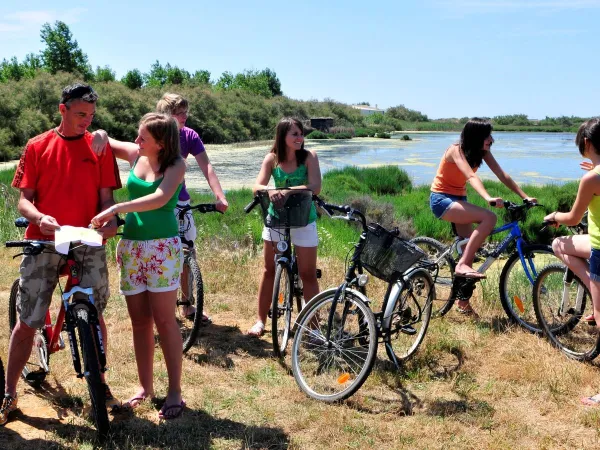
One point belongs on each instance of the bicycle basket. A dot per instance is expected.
(293, 214)
(387, 256)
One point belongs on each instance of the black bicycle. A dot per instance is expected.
(78, 316)
(287, 287)
(191, 290)
(336, 335)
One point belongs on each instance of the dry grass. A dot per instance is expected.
(471, 385)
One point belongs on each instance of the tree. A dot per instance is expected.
(201, 77)
(175, 75)
(11, 70)
(401, 112)
(133, 79)
(273, 81)
(104, 74)
(62, 53)
(157, 77)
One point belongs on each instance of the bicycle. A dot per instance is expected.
(288, 284)
(337, 334)
(191, 291)
(77, 316)
(516, 280)
(561, 300)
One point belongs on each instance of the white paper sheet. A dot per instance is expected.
(66, 234)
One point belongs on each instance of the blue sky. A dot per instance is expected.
(445, 58)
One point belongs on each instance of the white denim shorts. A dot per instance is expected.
(302, 237)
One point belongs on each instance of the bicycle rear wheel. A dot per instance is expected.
(445, 274)
(282, 306)
(190, 294)
(561, 301)
(37, 366)
(2, 380)
(516, 287)
(410, 317)
(333, 370)
(88, 342)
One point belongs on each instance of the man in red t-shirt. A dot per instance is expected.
(62, 182)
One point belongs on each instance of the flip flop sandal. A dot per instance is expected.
(594, 400)
(472, 275)
(467, 311)
(257, 330)
(138, 400)
(178, 410)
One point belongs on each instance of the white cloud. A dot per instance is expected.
(31, 21)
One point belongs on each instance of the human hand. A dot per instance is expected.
(48, 224)
(99, 142)
(277, 197)
(550, 220)
(531, 199)
(101, 220)
(496, 202)
(109, 229)
(586, 165)
(222, 205)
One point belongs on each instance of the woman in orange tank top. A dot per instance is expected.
(448, 199)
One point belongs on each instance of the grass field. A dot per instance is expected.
(471, 385)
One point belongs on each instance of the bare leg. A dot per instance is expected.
(162, 305)
(307, 269)
(19, 349)
(265, 288)
(573, 251)
(143, 341)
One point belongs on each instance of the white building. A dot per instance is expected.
(368, 110)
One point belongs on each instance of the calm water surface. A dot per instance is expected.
(537, 158)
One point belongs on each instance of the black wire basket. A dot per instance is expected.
(386, 256)
(294, 213)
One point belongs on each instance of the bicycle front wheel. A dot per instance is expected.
(444, 276)
(190, 294)
(281, 309)
(88, 342)
(561, 302)
(332, 370)
(516, 286)
(36, 368)
(410, 317)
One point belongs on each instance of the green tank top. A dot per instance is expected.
(298, 177)
(594, 218)
(156, 224)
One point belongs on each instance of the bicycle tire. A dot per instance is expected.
(565, 330)
(2, 379)
(34, 372)
(445, 273)
(282, 306)
(411, 312)
(89, 353)
(195, 288)
(333, 371)
(515, 288)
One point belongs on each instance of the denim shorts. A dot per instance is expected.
(595, 265)
(439, 203)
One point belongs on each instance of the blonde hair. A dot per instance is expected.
(163, 129)
(171, 103)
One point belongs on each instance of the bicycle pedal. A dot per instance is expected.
(319, 273)
(270, 314)
(407, 329)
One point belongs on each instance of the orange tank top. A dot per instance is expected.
(449, 179)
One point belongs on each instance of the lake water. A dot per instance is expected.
(538, 158)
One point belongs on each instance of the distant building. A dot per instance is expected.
(321, 123)
(366, 110)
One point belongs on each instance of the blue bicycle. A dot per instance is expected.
(516, 279)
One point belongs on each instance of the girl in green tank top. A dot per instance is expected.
(150, 254)
(575, 250)
(294, 167)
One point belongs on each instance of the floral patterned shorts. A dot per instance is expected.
(153, 265)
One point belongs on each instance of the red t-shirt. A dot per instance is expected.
(67, 177)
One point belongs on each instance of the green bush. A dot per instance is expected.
(317, 135)
(406, 137)
(384, 135)
(339, 136)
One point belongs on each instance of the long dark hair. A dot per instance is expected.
(163, 129)
(472, 136)
(590, 130)
(281, 132)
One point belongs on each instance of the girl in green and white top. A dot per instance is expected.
(574, 250)
(296, 168)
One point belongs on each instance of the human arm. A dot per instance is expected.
(212, 179)
(28, 210)
(586, 165)
(504, 177)
(588, 187)
(172, 178)
(127, 151)
(264, 175)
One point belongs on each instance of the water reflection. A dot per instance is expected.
(538, 158)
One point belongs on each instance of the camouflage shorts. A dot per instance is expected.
(39, 275)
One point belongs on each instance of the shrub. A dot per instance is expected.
(406, 137)
(384, 135)
(339, 136)
(317, 135)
